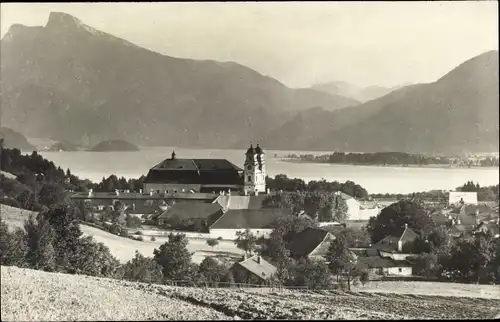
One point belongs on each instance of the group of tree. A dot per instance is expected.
(319, 205)
(487, 193)
(393, 158)
(438, 255)
(281, 182)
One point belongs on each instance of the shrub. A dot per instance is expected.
(138, 232)
(39, 238)
(12, 246)
(212, 242)
(174, 257)
(153, 238)
(219, 238)
(94, 259)
(141, 269)
(140, 238)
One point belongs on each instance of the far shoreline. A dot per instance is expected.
(425, 166)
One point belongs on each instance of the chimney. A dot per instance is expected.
(256, 192)
(246, 192)
(140, 191)
(245, 257)
(229, 192)
(406, 226)
(90, 193)
(258, 259)
(151, 192)
(268, 191)
(117, 192)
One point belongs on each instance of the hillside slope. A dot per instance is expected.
(56, 297)
(362, 94)
(457, 113)
(97, 87)
(13, 139)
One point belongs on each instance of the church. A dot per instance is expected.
(175, 175)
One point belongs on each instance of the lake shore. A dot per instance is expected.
(426, 166)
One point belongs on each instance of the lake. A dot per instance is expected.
(375, 179)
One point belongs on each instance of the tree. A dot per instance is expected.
(64, 222)
(364, 277)
(12, 246)
(213, 272)
(94, 259)
(341, 261)
(52, 194)
(427, 265)
(141, 269)
(246, 240)
(174, 257)
(312, 273)
(40, 252)
(280, 255)
(289, 226)
(392, 220)
(212, 242)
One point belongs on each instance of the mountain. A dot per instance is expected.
(13, 139)
(114, 145)
(69, 81)
(457, 113)
(362, 94)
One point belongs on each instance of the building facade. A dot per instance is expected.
(254, 171)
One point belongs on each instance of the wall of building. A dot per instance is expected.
(395, 256)
(353, 207)
(401, 271)
(230, 234)
(366, 214)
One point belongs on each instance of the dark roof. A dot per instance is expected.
(388, 243)
(263, 269)
(145, 196)
(191, 210)
(257, 202)
(408, 235)
(196, 165)
(241, 202)
(258, 150)
(250, 150)
(249, 218)
(380, 262)
(306, 241)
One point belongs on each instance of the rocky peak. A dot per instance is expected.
(63, 20)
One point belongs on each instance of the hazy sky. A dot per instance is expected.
(300, 43)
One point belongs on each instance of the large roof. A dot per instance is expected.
(196, 165)
(145, 196)
(249, 218)
(241, 202)
(196, 171)
(306, 241)
(191, 210)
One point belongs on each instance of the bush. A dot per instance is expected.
(12, 246)
(153, 238)
(219, 238)
(40, 252)
(94, 259)
(141, 269)
(140, 238)
(138, 232)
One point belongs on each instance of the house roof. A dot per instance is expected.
(241, 202)
(264, 269)
(388, 243)
(249, 218)
(380, 262)
(144, 196)
(191, 210)
(408, 235)
(195, 171)
(306, 241)
(8, 175)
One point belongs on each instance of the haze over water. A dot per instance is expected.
(375, 179)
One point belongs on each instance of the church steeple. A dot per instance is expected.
(255, 170)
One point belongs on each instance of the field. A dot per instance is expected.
(124, 248)
(34, 295)
(15, 217)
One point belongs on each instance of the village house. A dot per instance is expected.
(395, 247)
(258, 221)
(253, 270)
(190, 216)
(378, 265)
(312, 243)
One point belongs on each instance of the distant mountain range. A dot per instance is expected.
(457, 113)
(68, 81)
(362, 94)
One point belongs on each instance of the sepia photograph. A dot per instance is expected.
(267, 160)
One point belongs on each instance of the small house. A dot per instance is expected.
(253, 270)
(312, 243)
(258, 221)
(378, 265)
(394, 247)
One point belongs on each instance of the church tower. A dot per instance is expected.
(255, 171)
